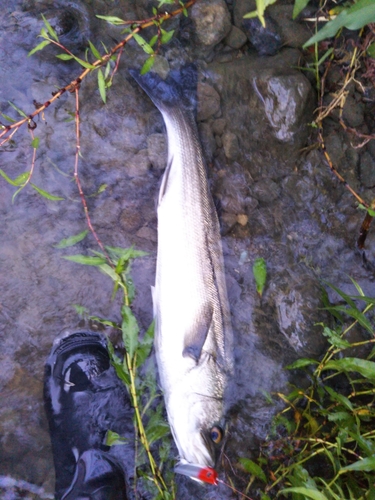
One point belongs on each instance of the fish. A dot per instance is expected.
(193, 332)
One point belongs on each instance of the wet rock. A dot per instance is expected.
(211, 19)
(236, 38)
(297, 306)
(230, 145)
(286, 100)
(265, 190)
(207, 140)
(147, 233)
(302, 189)
(292, 33)
(139, 164)
(227, 222)
(240, 8)
(218, 126)
(208, 101)
(367, 170)
(353, 112)
(157, 150)
(335, 147)
(70, 21)
(130, 219)
(266, 40)
(161, 66)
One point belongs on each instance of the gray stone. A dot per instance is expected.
(236, 38)
(208, 101)
(242, 7)
(285, 100)
(218, 126)
(367, 170)
(139, 164)
(211, 19)
(207, 140)
(353, 112)
(293, 33)
(130, 219)
(265, 39)
(266, 190)
(157, 150)
(230, 144)
(161, 66)
(147, 233)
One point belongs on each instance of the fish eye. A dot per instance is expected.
(216, 434)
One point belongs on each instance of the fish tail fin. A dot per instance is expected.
(178, 89)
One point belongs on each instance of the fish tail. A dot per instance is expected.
(178, 89)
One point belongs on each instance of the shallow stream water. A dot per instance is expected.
(274, 202)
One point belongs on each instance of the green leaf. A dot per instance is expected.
(19, 111)
(362, 366)
(309, 493)
(51, 31)
(356, 314)
(120, 367)
(260, 274)
(143, 44)
(366, 464)
(339, 398)
(112, 20)
(113, 438)
(35, 143)
(72, 240)
(144, 347)
(81, 310)
(149, 62)
(64, 57)
(101, 85)
(85, 259)
(126, 253)
(253, 469)
(45, 194)
(299, 5)
(95, 51)
(83, 63)
(335, 339)
(166, 36)
(10, 119)
(338, 416)
(353, 18)
(153, 40)
(130, 330)
(261, 6)
(18, 181)
(156, 429)
(40, 46)
(342, 294)
(300, 363)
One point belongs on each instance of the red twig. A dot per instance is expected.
(79, 185)
(97, 64)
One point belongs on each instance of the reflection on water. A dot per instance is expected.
(273, 204)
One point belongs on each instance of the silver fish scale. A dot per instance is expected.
(193, 336)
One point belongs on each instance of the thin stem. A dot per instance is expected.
(78, 181)
(100, 62)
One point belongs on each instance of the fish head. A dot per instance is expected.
(197, 428)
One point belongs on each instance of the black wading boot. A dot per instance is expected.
(83, 400)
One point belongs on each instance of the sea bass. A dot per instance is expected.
(193, 335)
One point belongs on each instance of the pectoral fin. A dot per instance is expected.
(196, 337)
